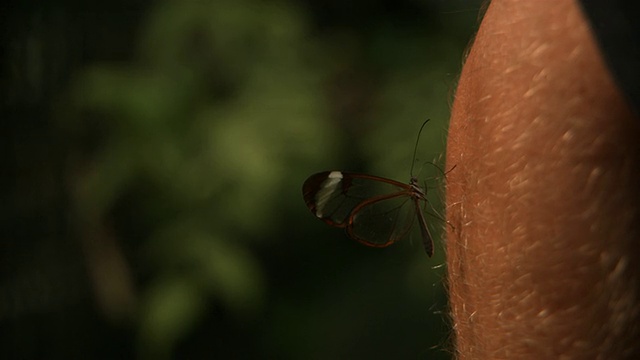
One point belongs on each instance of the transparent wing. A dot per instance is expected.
(332, 196)
(381, 222)
(375, 211)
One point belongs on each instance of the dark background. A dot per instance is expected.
(153, 154)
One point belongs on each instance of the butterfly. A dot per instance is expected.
(375, 211)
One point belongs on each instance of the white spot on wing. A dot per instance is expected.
(327, 188)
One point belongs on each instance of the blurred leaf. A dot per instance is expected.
(173, 306)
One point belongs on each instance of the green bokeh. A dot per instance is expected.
(154, 170)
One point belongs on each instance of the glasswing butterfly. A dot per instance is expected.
(374, 210)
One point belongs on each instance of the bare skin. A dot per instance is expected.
(543, 253)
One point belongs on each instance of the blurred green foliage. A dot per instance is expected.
(154, 162)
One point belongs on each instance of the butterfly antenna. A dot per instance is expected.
(415, 149)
